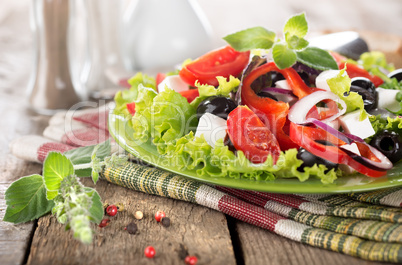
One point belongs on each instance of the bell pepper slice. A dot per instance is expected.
(273, 113)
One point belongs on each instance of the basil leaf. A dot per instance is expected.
(26, 200)
(252, 38)
(82, 155)
(296, 25)
(55, 168)
(96, 209)
(317, 59)
(283, 56)
(295, 42)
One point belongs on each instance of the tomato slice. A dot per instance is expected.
(222, 62)
(131, 108)
(311, 139)
(249, 134)
(159, 78)
(190, 94)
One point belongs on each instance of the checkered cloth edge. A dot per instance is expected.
(162, 183)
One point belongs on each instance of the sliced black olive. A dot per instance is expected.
(369, 98)
(363, 83)
(390, 144)
(217, 105)
(309, 160)
(396, 74)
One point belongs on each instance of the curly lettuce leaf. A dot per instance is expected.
(163, 117)
(340, 85)
(224, 88)
(194, 153)
(127, 96)
(375, 62)
(391, 124)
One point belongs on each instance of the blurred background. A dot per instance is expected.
(219, 18)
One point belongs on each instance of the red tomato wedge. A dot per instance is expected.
(159, 78)
(131, 108)
(222, 62)
(190, 94)
(249, 134)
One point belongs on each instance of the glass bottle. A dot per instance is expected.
(51, 87)
(163, 33)
(103, 67)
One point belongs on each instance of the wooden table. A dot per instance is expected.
(212, 236)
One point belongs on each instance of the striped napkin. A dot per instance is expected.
(365, 225)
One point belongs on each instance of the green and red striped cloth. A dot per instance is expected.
(366, 238)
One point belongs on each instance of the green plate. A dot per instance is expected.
(122, 133)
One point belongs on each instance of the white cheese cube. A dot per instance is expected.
(321, 80)
(351, 124)
(387, 99)
(173, 82)
(212, 127)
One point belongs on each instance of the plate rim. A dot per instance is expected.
(255, 185)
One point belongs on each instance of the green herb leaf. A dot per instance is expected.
(317, 59)
(252, 38)
(96, 209)
(55, 168)
(26, 200)
(296, 25)
(296, 43)
(283, 56)
(82, 155)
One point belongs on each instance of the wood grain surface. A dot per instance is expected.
(201, 231)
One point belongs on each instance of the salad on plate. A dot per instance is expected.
(264, 108)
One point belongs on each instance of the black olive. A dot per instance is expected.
(363, 83)
(390, 144)
(369, 98)
(309, 160)
(229, 144)
(396, 74)
(217, 105)
(264, 94)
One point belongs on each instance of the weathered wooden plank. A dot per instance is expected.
(261, 247)
(14, 239)
(202, 231)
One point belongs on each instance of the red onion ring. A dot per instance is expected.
(277, 90)
(298, 112)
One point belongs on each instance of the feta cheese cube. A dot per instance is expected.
(173, 82)
(212, 127)
(352, 148)
(351, 124)
(387, 99)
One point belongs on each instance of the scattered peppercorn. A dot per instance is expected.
(149, 252)
(111, 210)
(131, 228)
(165, 221)
(138, 215)
(191, 260)
(159, 215)
(104, 222)
(120, 207)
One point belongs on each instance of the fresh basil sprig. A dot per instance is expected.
(285, 52)
(59, 190)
